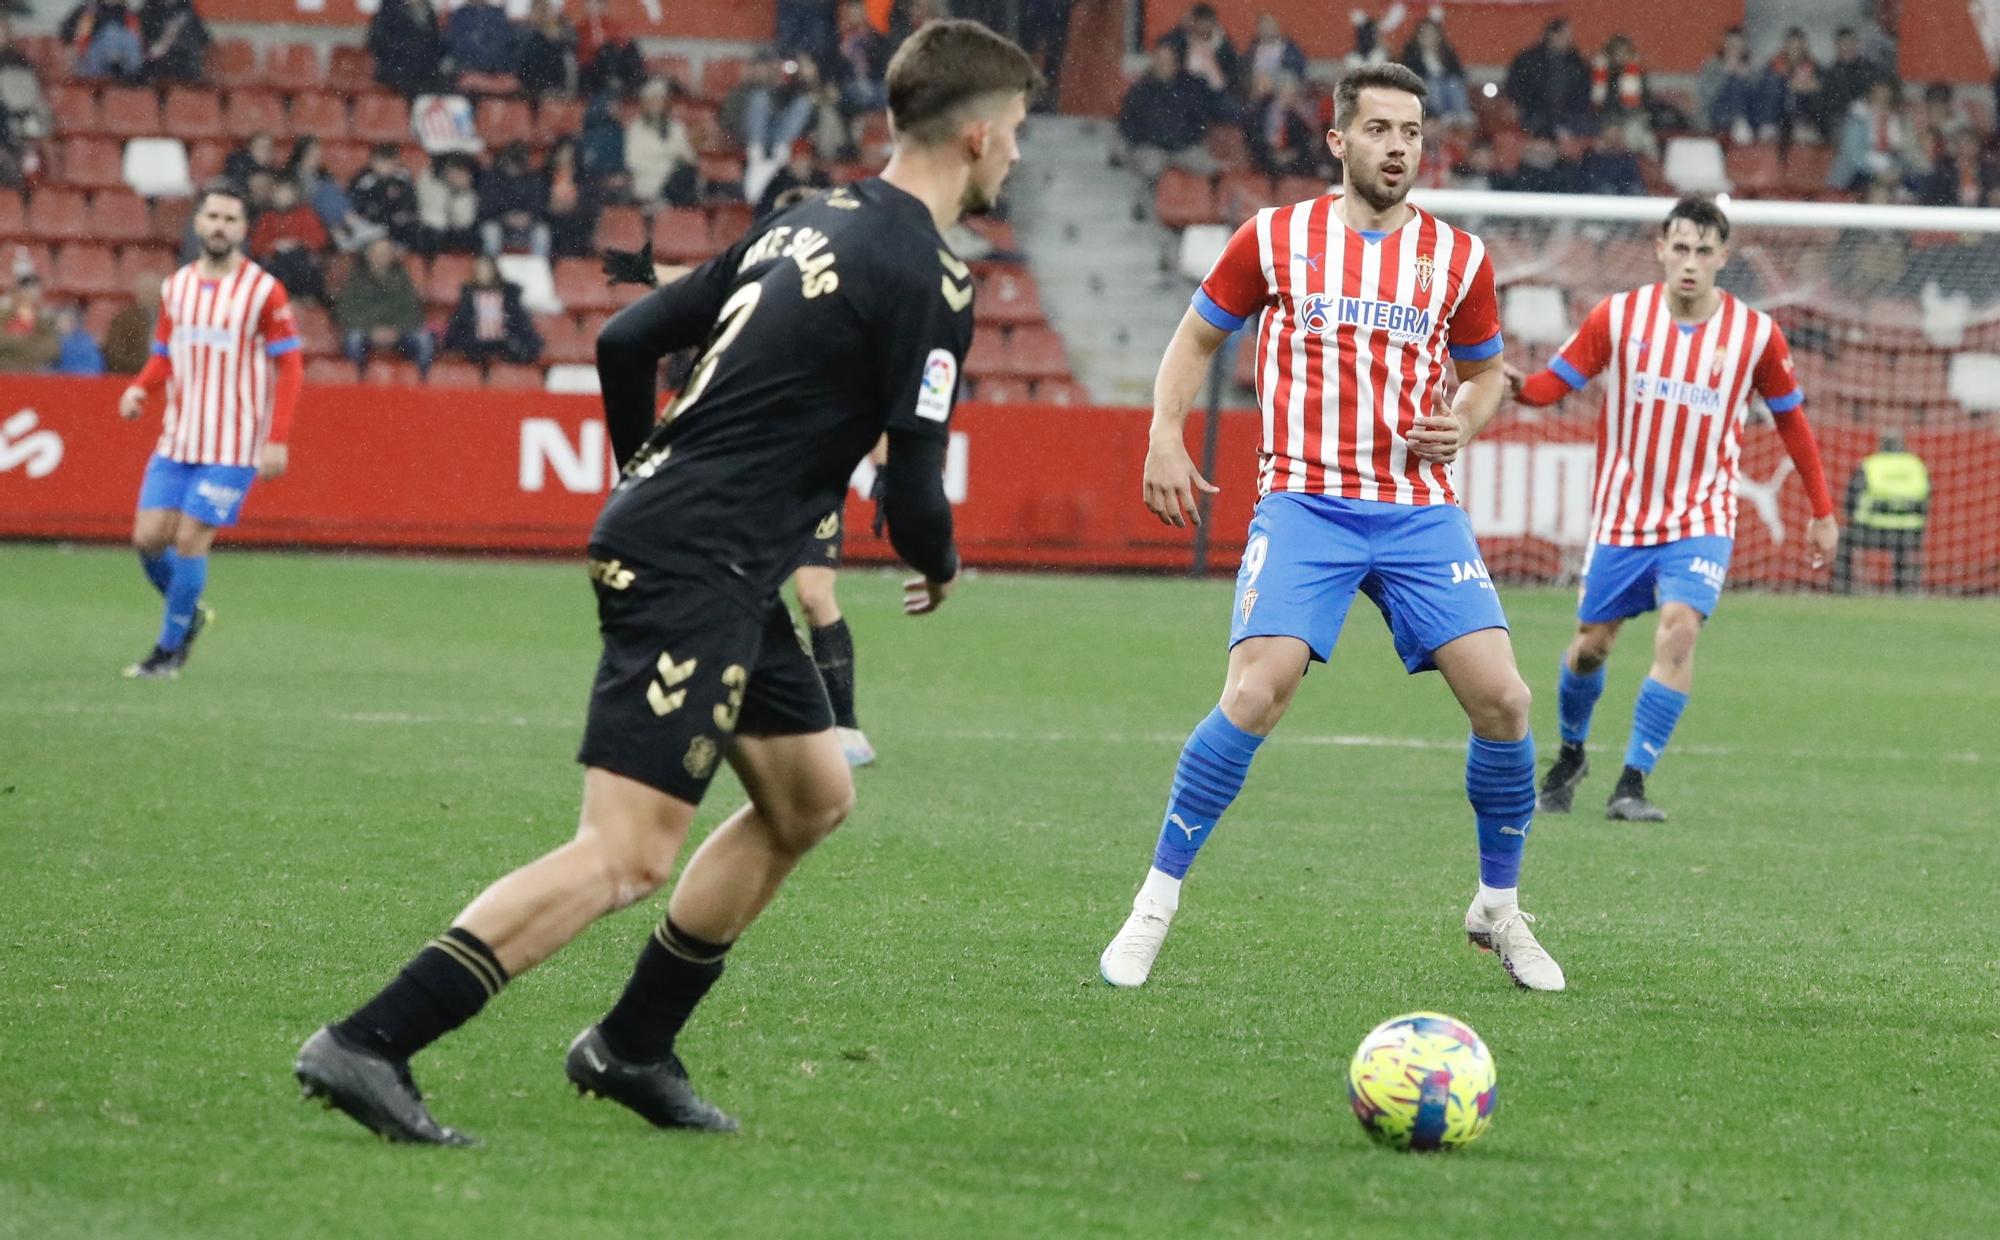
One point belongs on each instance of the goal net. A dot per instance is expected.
(1893, 315)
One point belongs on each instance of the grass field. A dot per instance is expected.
(1784, 1005)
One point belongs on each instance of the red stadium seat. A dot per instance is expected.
(987, 358)
(206, 159)
(998, 233)
(558, 118)
(130, 112)
(1230, 149)
(193, 112)
(719, 76)
(722, 169)
(727, 222)
(316, 331)
(564, 342)
(295, 66)
(170, 217)
(58, 215)
(74, 106)
(321, 371)
(502, 121)
(120, 218)
(350, 69)
(580, 286)
(479, 85)
(13, 215)
(1061, 392)
(998, 391)
(1753, 169)
(380, 117)
(681, 236)
(621, 228)
(1008, 297)
(456, 375)
(448, 275)
(152, 263)
(93, 163)
(1037, 352)
(85, 271)
(1806, 168)
(1183, 198)
(1299, 189)
(515, 378)
(320, 113)
(98, 314)
(344, 160)
(1240, 195)
(233, 62)
(255, 111)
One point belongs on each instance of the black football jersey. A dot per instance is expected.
(833, 321)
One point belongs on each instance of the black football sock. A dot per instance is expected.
(445, 986)
(675, 970)
(1631, 783)
(833, 650)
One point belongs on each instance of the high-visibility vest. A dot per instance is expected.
(1896, 488)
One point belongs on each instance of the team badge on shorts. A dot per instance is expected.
(828, 527)
(1249, 601)
(701, 755)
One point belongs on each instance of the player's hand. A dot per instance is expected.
(922, 596)
(1172, 482)
(132, 402)
(1516, 380)
(630, 266)
(1822, 536)
(1437, 438)
(273, 460)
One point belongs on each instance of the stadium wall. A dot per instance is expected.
(1036, 486)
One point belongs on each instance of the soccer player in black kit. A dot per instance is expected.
(826, 325)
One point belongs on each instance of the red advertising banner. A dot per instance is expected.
(1034, 486)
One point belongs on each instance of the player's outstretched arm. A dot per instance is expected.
(1171, 479)
(1822, 532)
(1544, 387)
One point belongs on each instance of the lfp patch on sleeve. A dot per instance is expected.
(940, 376)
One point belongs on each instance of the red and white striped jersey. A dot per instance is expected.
(220, 336)
(1671, 434)
(1352, 335)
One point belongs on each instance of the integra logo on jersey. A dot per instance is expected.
(1404, 323)
(803, 246)
(1700, 398)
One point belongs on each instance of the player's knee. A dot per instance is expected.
(149, 544)
(1256, 703)
(631, 872)
(1677, 634)
(810, 819)
(1590, 651)
(816, 603)
(1502, 713)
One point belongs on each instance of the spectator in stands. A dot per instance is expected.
(448, 203)
(601, 147)
(1619, 96)
(658, 152)
(1205, 53)
(1045, 36)
(28, 339)
(479, 39)
(572, 200)
(1480, 169)
(490, 323)
(260, 188)
(805, 28)
(1727, 91)
(176, 41)
(1371, 36)
(1543, 170)
(128, 337)
(767, 111)
(384, 194)
(1278, 128)
(1931, 137)
(1431, 57)
(511, 199)
(1793, 91)
(1847, 81)
(802, 171)
(286, 242)
(548, 51)
(861, 58)
(348, 228)
(408, 45)
(1550, 83)
(105, 36)
(1962, 178)
(24, 109)
(1872, 140)
(606, 57)
(379, 309)
(258, 154)
(76, 353)
(1611, 167)
(1272, 52)
(1164, 118)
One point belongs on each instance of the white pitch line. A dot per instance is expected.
(990, 736)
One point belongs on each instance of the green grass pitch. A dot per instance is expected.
(1783, 1020)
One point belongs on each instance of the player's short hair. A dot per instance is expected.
(223, 189)
(948, 66)
(1386, 76)
(1702, 213)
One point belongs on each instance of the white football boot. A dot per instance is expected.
(1513, 940)
(855, 747)
(1129, 957)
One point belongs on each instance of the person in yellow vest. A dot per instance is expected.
(1888, 503)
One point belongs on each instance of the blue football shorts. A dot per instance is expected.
(1308, 554)
(211, 494)
(1622, 582)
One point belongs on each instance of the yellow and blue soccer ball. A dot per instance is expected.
(1423, 1081)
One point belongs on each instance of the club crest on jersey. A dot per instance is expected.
(1426, 267)
(1249, 601)
(1715, 370)
(1402, 322)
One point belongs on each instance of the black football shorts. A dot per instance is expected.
(824, 549)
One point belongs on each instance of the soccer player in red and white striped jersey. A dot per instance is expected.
(1362, 304)
(1681, 359)
(226, 352)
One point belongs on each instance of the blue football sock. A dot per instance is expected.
(159, 568)
(1212, 767)
(1576, 698)
(1653, 718)
(1500, 783)
(183, 592)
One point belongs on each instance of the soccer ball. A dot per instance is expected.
(1423, 1081)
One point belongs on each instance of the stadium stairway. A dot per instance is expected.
(1098, 268)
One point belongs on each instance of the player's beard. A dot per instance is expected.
(1371, 190)
(217, 246)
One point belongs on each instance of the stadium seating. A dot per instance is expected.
(59, 214)
(500, 122)
(515, 378)
(1037, 353)
(120, 218)
(93, 163)
(621, 228)
(129, 112)
(456, 374)
(349, 70)
(380, 117)
(296, 65)
(580, 286)
(193, 113)
(85, 271)
(255, 111)
(563, 341)
(448, 274)
(681, 236)
(234, 62)
(13, 215)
